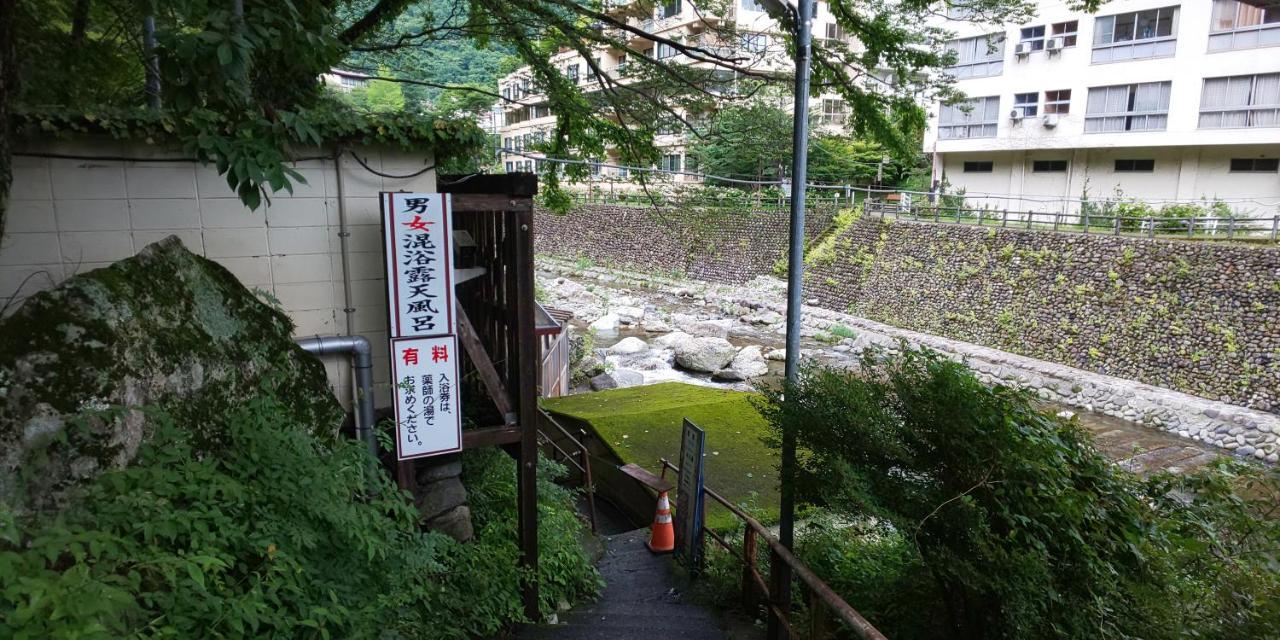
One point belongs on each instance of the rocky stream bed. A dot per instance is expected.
(645, 329)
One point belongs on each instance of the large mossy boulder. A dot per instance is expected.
(88, 367)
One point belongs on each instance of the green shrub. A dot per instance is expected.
(282, 534)
(1014, 525)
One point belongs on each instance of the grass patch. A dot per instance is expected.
(643, 424)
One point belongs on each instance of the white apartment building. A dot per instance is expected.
(528, 118)
(1159, 99)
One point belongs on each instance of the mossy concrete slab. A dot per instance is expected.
(643, 424)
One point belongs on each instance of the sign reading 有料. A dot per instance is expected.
(424, 378)
(418, 237)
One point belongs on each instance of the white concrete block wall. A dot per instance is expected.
(69, 216)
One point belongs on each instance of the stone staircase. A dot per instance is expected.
(643, 599)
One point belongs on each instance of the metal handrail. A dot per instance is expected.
(1087, 222)
(822, 597)
(583, 463)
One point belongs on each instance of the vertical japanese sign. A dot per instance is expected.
(424, 376)
(689, 499)
(419, 252)
(418, 241)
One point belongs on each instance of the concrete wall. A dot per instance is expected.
(1198, 317)
(69, 216)
(1192, 174)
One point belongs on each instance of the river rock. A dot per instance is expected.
(670, 340)
(628, 315)
(607, 323)
(628, 346)
(655, 325)
(617, 379)
(746, 365)
(763, 316)
(705, 354)
(777, 355)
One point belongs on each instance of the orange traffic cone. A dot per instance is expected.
(662, 535)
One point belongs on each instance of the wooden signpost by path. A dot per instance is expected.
(460, 280)
(689, 500)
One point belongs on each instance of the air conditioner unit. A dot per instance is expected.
(1053, 44)
(1050, 120)
(1023, 49)
(1016, 114)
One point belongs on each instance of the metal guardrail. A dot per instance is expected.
(579, 459)
(642, 199)
(1087, 222)
(822, 599)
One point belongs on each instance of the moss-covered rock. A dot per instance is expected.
(85, 367)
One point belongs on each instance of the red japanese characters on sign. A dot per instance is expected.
(418, 242)
(428, 416)
(419, 247)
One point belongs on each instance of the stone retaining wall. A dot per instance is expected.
(1197, 317)
(717, 245)
(1245, 432)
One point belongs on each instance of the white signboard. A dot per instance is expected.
(418, 237)
(424, 378)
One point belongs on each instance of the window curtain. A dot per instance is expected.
(1224, 15)
(1266, 93)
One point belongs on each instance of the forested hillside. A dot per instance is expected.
(438, 57)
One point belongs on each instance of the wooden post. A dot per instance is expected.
(749, 602)
(818, 618)
(775, 630)
(1231, 227)
(1275, 227)
(1086, 220)
(527, 350)
(1056, 218)
(1004, 218)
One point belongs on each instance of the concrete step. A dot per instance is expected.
(612, 632)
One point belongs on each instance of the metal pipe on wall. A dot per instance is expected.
(362, 369)
(344, 249)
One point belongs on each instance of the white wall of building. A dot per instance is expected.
(1191, 163)
(70, 216)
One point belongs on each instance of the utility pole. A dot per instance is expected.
(780, 573)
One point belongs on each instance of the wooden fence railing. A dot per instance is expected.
(823, 602)
(572, 450)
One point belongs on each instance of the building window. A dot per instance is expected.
(835, 32)
(1240, 101)
(976, 118)
(668, 128)
(978, 57)
(1033, 36)
(1028, 102)
(1255, 165)
(670, 162)
(833, 111)
(1236, 25)
(1058, 102)
(1128, 107)
(510, 167)
(664, 51)
(1134, 36)
(349, 82)
(671, 8)
(752, 5)
(979, 166)
(1065, 30)
(957, 12)
(1142, 165)
(755, 42)
(1048, 166)
(572, 72)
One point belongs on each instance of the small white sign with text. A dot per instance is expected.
(424, 379)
